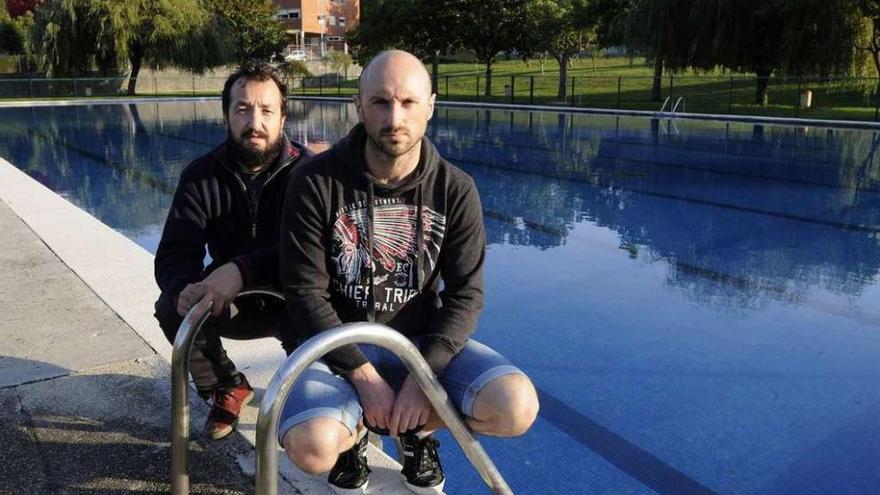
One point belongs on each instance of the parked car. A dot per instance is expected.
(299, 55)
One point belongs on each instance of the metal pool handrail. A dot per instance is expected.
(361, 333)
(679, 101)
(665, 102)
(180, 353)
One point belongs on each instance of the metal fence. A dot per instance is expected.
(832, 98)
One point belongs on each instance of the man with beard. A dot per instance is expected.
(230, 201)
(382, 228)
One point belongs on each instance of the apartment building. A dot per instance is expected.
(316, 26)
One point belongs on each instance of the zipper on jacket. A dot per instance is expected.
(254, 205)
(252, 208)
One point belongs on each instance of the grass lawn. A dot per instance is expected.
(601, 83)
(621, 83)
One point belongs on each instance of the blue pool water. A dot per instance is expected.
(698, 302)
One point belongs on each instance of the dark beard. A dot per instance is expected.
(251, 159)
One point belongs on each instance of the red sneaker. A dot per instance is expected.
(225, 408)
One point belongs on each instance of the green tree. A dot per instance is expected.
(73, 36)
(562, 28)
(490, 26)
(293, 69)
(18, 8)
(65, 38)
(662, 29)
(161, 32)
(251, 28)
(379, 28)
(12, 39)
(797, 38)
(340, 62)
(870, 41)
(12, 36)
(430, 29)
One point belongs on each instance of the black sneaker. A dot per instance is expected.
(351, 474)
(421, 465)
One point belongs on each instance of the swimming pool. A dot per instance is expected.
(697, 301)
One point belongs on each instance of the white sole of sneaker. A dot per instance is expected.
(350, 491)
(426, 490)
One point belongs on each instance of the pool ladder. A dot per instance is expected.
(270, 407)
(678, 102)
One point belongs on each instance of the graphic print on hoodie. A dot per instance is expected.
(408, 256)
(396, 252)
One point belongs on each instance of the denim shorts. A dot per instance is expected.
(321, 393)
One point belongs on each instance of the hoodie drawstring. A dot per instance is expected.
(371, 298)
(419, 246)
(420, 239)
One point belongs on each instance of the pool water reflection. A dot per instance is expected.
(698, 302)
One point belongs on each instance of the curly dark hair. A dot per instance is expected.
(254, 71)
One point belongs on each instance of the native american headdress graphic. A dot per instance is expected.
(394, 239)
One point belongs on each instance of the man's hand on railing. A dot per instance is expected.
(221, 287)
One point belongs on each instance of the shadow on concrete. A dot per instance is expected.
(107, 431)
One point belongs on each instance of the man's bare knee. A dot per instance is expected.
(315, 444)
(507, 406)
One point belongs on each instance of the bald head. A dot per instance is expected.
(395, 103)
(397, 67)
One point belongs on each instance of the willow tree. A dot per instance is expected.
(65, 39)
(796, 38)
(75, 37)
(178, 33)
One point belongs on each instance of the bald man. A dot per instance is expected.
(370, 229)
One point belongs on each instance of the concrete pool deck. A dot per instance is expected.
(85, 382)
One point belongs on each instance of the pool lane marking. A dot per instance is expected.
(633, 460)
(597, 184)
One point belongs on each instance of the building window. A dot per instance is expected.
(334, 38)
(287, 14)
(342, 21)
(332, 20)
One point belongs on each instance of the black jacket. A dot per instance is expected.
(430, 228)
(212, 207)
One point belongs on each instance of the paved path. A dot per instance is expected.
(84, 373)
(83, 399)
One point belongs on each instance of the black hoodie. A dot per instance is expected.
(428, 229)
(213, 206)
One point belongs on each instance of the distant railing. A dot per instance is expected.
(847, 98)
